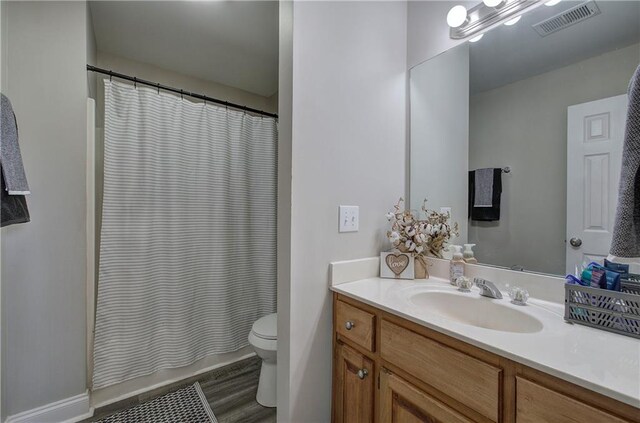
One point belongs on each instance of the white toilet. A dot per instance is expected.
(263, 338)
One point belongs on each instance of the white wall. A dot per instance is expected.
(43, 261)
(348, 147)
(285, 93)
(439, 162)
(524, 125)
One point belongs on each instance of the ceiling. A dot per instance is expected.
(510, 53)
(233, 43)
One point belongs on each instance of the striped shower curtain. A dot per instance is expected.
(188, 244)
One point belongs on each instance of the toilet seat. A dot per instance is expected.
(266, 327)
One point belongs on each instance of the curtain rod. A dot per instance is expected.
(178, 91)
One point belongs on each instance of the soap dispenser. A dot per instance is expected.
(456, 265)
(469, 256)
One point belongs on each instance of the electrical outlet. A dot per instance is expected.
(349, 218)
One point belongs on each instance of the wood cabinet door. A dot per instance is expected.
(401, 402)
(354, 388)
(538, 404)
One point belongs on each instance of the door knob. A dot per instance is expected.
(362, 373)
(575, 242)
(349, 325)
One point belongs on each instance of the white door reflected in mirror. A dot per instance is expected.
(595, 136)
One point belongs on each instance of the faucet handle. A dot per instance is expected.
(518, 295)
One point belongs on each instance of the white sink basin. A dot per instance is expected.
(471, 309)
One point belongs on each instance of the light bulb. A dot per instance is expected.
(493, 3)
(476, 38)
(552, 2)
(513, 21)
(457, 16)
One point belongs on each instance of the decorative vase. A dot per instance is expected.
(421, 271)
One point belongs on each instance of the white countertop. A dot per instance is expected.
(601, 361)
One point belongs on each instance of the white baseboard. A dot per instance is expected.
(68, 410)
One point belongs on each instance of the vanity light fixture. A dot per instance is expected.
(457, 16)
(476, 38)
(495, 3)
(513, 21)
(469, 23)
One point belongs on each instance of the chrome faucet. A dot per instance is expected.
(487, 288)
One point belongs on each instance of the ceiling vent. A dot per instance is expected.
(567, 18)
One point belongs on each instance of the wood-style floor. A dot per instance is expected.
(230, 391)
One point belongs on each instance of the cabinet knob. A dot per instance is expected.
(362, 373)
(349, 325)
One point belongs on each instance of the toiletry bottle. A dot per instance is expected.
(456, 265)
(469, 256)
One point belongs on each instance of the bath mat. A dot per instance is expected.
(187, 405)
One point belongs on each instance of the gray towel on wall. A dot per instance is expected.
(483, 188)
(626, 231)
(10, 157)
(486, 214)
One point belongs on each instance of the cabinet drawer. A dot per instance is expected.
(355, 325)
(470, 381)
(537, 404)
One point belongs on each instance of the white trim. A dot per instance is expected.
(19, 192)
(541, 286)
(91, 232)
(68, 410)
(353, 270)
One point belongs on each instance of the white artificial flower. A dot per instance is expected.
(394, 237)
(419, 249)
(410, 245)
(411, 231)
(390, 216)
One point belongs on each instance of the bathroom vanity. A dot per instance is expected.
(399, 358)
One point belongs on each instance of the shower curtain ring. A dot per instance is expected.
(205, 99)
(158, 88)
(135, 82)
(110, 75)
(181, 96)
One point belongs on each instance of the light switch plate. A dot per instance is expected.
(349, 218)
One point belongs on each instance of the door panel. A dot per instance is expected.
(401, 402)
(354, 395)
(537, 404)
